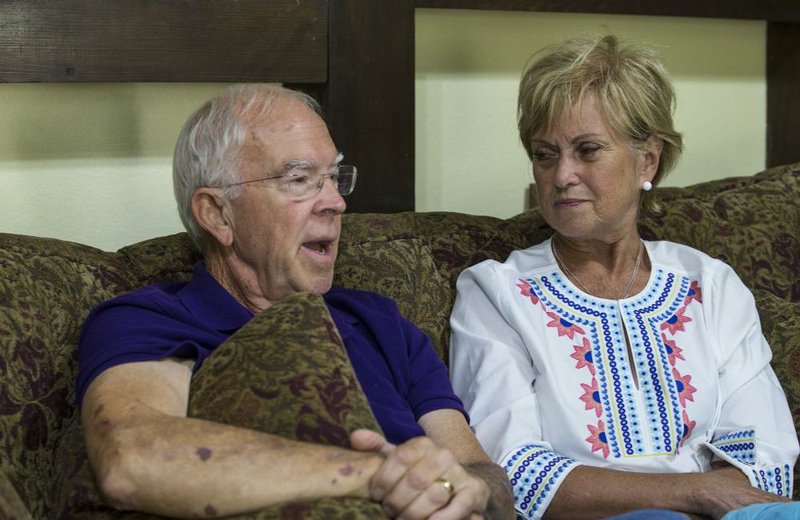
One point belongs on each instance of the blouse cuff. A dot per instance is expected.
(535, 473)
(738, 448)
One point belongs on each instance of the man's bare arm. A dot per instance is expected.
(148, 456)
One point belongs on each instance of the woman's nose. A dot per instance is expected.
(566, 172)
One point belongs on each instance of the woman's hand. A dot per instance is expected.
(412, 480)
(725, 488)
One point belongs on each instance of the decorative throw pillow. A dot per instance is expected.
(287, 373)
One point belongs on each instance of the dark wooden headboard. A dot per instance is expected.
(355, 56)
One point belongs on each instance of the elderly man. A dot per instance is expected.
(259, 187)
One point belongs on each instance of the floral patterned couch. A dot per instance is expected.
(47, 287)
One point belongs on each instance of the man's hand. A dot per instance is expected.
(411, 481)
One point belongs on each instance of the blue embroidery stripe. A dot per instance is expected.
(736, 436)
(533, 472)
(741, 445)
(777, 480)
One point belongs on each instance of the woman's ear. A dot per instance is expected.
(650, 156)
(211, 211)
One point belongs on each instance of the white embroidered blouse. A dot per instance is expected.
(545, 373)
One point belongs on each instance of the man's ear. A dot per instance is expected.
(211, 211)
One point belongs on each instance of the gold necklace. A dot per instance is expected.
(577, 280)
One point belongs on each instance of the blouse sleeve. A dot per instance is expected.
(754, 430)
(494, 375)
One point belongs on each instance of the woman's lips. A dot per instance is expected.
(569, 203)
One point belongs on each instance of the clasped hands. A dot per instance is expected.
(420, 479)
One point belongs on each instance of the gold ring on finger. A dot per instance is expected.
(447, 485)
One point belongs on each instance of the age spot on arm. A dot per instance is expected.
(203, 453)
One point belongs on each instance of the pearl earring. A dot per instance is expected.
(647, 185)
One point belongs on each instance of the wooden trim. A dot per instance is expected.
(772, 10)
(369, 99)
(783, 93)
(163, 40)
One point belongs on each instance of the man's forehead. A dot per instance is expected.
(288, 118)
(288, 130)
(289, 137)
(283, 140)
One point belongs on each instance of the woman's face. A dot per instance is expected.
(589, 179)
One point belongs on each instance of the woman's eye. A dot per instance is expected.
(544, 155)
(588, 150)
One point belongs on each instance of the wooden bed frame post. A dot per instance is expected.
(783, 93)
(369, 98)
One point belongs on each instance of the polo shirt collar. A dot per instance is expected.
(344, 320)
(210, 302)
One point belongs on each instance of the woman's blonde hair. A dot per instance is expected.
(631, 85)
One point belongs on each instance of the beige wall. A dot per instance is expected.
(91, 163)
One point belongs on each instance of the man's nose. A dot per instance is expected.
(330, 199)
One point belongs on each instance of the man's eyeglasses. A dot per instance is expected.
(302, 184)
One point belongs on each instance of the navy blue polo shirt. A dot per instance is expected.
(393, 360)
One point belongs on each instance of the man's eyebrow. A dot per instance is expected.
(302, 164)
(298, 164)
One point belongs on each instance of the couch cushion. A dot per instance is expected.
(162, 259)
(749, 222)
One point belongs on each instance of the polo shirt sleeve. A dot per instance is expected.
(405, 355)
(429, 384)
(142, 326)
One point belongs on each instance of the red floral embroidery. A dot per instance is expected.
(583, 355)
(675, 323)
(525, 289)
(685, 389)
(695, 293)
(688, 427)
(674, 352)
(598, 438)
(591, 396)
(564, 327)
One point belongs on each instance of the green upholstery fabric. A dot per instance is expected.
(47, 288)
(11, 506)
(750, 223)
